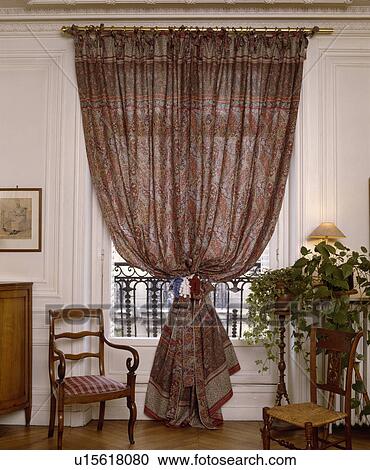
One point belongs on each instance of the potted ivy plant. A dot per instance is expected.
(334, 271)
(318, 285)
(331, 271)
(268, 288)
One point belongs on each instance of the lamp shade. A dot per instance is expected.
(327, 230)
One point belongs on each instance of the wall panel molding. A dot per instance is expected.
(245, 405)
(115, 364)
(321, 155)
(57, 163)
(334, 61)
(24, 61)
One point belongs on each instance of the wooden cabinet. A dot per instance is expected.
(16, 347)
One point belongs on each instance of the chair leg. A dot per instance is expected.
(60, 421)
(101, 415)
(348, 433)
(265, 431)
(53, 403)
(309, 432)
(315, 436)
(131, 405)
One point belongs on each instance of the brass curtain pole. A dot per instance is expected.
(312, 31)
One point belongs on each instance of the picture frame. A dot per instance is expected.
(20, 219)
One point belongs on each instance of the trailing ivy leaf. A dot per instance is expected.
(329, 268)
(359, 386)
(322, 292)
(363, 249)
(340, 283)
(331, 249)
(300, 263)
(366, 410)
(347, 270)
(355, 403)
(305, 251)
(323, 250)
(310, 269)
(340, 317)
(340, 246)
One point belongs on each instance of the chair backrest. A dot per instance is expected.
(340, 350)
(73, 315)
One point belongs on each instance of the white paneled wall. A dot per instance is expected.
(41, 145)
(330, 176)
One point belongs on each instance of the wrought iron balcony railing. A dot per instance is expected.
(141, 302)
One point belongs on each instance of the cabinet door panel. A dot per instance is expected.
(13, 348)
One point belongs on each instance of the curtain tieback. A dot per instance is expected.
(191, 288)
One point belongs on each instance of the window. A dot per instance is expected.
(141, 302)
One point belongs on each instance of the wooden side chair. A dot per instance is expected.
(337, 347)
(89, 388)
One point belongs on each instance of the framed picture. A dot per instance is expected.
(20, 219)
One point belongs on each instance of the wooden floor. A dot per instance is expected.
(149, 435)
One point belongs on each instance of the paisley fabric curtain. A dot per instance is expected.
(189, 136)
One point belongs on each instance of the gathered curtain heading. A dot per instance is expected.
(210, 44)
(189, 137)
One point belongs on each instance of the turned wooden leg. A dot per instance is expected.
(131, 423)
(60, 420)
(28, 413)
(315, 436)
(101, 415)
(265, 431)
(309, 436)
(53, 404)
(348, 432)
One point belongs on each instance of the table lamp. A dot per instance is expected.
(326, 231)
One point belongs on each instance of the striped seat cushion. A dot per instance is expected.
(90, 384)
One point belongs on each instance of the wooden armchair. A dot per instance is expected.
(311, 417)
(89, 388)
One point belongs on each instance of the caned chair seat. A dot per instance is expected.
(91, 385)
(339, 350)
(301, 413)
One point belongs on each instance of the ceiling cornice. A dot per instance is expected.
(191, 2)
(352, 20)
(147, 12)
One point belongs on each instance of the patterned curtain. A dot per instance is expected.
(189, 136)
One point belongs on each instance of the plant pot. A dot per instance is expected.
(345, 293)
(283, 302)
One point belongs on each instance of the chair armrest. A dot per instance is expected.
(62, 364)
(135, 354)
